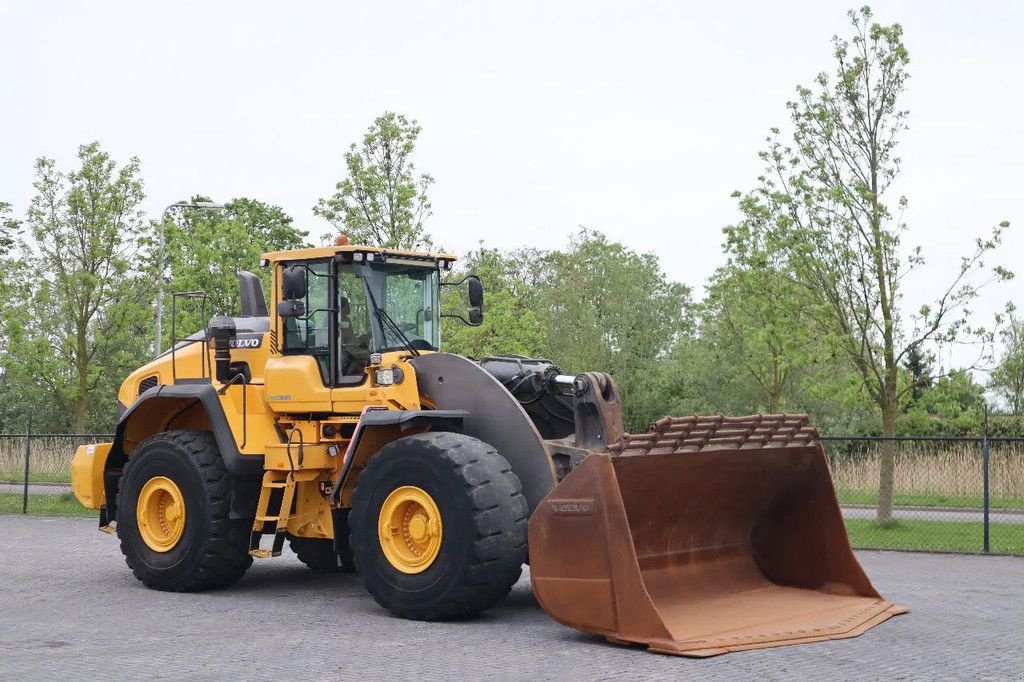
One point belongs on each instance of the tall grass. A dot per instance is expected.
(931, 470)
(49, 459)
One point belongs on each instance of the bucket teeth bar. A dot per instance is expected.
(696, 433)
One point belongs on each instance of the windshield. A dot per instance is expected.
(408, 294)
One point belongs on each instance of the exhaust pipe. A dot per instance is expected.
(222, 331)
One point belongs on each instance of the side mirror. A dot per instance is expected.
(293, 283)
(476, 300)
(476, 293)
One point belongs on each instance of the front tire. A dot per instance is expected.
(173, 515)
(438, 526)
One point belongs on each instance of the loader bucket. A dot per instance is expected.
(707, 535)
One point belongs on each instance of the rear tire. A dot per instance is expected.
(211, 550)
(483, 517)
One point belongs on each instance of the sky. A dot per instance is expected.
(637, 119)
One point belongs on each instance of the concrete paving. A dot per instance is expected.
(70, 608)
(36, 488)
(966, 515)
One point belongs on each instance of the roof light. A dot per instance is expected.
(341, 240)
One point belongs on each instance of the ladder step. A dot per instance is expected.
(267, 518)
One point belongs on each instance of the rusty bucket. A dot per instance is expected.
(707, 535)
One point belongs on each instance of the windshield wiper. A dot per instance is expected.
(387, 324)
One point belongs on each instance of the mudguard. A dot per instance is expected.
(494, 416)
(236, 463)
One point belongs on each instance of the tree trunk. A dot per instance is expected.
(887, 468)
(82, 369)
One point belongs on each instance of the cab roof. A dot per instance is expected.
(329, 251)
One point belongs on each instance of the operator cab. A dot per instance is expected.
(340, 305)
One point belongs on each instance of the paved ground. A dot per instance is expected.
(36, 488)
(940, 514)
(69, 606)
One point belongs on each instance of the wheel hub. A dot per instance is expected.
(410, 529)
(160, 514)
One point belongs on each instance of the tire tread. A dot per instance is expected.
(498, 553)
(225, 556)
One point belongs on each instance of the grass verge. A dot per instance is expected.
(870, 497)
(936, 536)
(64, 504)
(33, 477)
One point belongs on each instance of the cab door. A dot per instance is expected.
(301, 378)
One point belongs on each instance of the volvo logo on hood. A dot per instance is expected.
(254, 341)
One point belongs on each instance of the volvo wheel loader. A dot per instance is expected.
(333, 420)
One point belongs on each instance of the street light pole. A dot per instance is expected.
(198, 205)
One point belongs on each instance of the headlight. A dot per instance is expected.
(384, 377)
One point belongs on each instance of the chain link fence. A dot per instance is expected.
(35, 472)
(950, 494)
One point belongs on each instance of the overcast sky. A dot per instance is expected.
(637, 119)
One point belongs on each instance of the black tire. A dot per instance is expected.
(483, 515)
(213, 548)
(323, 556)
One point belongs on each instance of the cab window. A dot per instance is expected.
(310, 334)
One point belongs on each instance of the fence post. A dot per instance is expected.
(28, 451)
(984, 483)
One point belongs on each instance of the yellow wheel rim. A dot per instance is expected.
(161, 514)
(410, 529)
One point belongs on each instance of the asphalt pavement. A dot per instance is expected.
(69, 607)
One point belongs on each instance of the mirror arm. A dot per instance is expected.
(456, 284)
(462, 319)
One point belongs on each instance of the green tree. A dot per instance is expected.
(919, 365)
(90, 295)
(10, 320)
(1008, 377)
(608, 308)
(595, 306)
(206, 249)
(758, 318)
(511, 325)
(509, 328)
(8, 228)
(824, 203)
(382, 201)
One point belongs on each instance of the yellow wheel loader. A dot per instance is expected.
(333, 420)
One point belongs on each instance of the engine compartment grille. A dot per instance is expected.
(148, 383)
